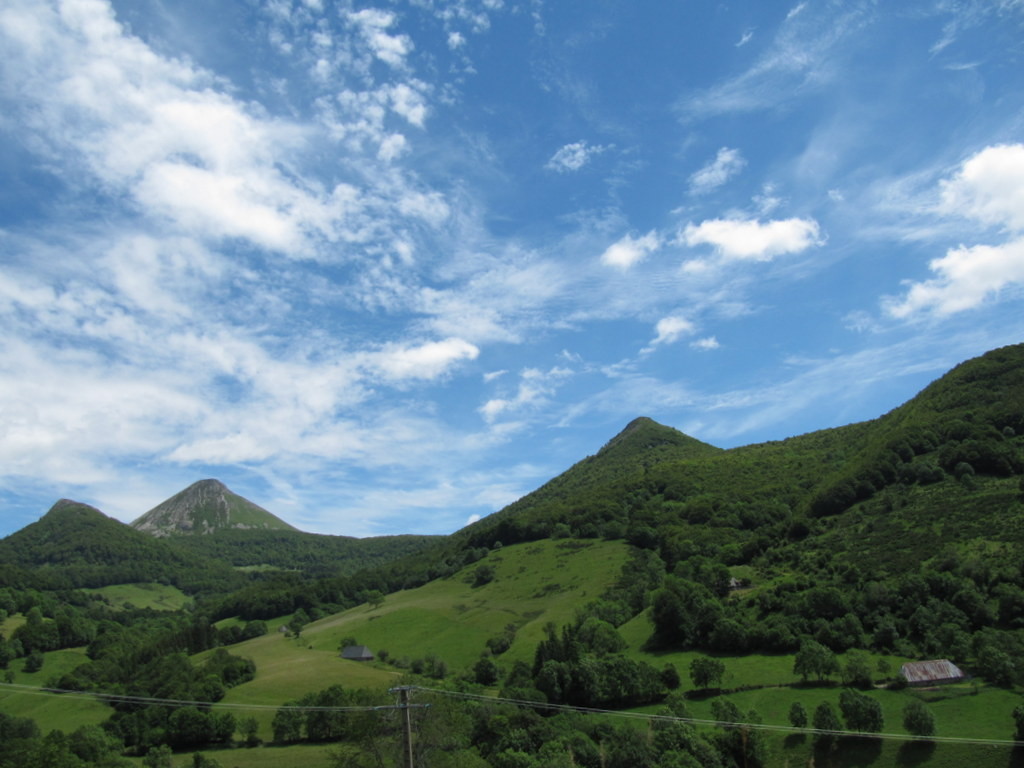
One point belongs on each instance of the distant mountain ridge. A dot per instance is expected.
(205, 507)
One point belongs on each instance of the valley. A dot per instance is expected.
(662, 602)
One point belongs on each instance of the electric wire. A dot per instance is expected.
(117, 698)
(154, 701)
(719, 723)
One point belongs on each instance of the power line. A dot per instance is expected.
(117, 698)
(153, 701)
(719, 723)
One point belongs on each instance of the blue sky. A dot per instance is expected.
(385, 267)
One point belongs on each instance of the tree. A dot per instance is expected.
(299, 620)
(670, 676)
(484, 574)
(798, 715)
(825, 719)
(857, 671)
(33, 662)
(287, 725)
(861, 712)
(199, 760)
(159, 757)
(485, 671)
(374, 597)
(705, 671)
(813, 658)
(1018, 721)
(249, 727)
(918, 719)
(996, 666)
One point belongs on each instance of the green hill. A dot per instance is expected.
(809, 569)
(75, 545)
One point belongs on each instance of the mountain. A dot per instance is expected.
(203, 508)
(76, 545)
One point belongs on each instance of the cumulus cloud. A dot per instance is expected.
(988, 189)
(573, 156)
(707, 343)
(629, 250)
(749, 239)
(670, 329)
(727, 163)
(373, 23)
(425, 361)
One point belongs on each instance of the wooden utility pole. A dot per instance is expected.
(406, 707)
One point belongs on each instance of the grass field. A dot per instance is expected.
(450, 619)
(159, 597)
(50, 711)
(294, 756)
(11, 623)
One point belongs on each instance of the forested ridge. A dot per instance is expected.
(898, 537)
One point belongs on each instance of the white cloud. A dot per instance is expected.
(629, 250)
(800, 58)
(751, 239)
(707, 343)
(456, 40)
(989, 189)
(372, 23)
(670, 329)
(573, 156)
(426, 361)
(535, 388)
(727, 163)
(161, 131)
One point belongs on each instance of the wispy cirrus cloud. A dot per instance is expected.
(534, 389)
(800, 57)
(727, 163)
(574, 156)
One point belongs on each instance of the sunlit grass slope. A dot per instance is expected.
(159, 597)
(450, 619)
(48, 710)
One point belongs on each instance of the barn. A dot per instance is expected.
(933, 672)
(357, 653)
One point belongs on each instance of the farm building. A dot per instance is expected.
(357, 653)
(931, 672)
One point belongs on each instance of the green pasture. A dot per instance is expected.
(11, 623)
(449, 619)
(292, 756)
(66, 712)
(158, 597)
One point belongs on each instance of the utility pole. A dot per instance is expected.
(406, 707)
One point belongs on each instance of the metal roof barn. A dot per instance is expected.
(937, 671)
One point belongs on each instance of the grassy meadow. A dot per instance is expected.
(51, 711)
(158, 597)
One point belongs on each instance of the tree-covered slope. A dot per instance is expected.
(75, 545)
(312, 554)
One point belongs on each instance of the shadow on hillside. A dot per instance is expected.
(914, 753)
(848, 752)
